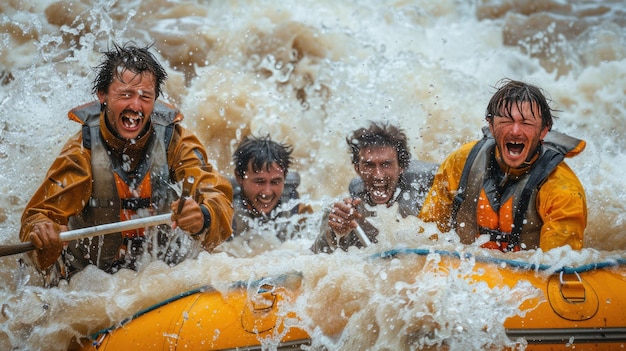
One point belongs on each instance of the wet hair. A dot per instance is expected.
(262, 151)
(513, 93)
(380, 135)
(128, 57)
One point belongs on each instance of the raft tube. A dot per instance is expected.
(584, 308)
(244, 317)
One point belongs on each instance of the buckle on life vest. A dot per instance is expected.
(505, 242)
(135, 203)
(503, 246)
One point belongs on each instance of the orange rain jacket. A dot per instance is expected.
(68, 184)
(560, 201)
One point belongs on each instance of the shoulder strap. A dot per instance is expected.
(86, 136)
(548, 161)
(460, 196)
(89, 116)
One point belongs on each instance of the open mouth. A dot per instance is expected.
(264, 200)
(515, 148)
(379, 193)
(131, 121)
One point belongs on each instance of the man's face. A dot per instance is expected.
(129, 103)
(518, 137)
(380, 171)
(264, 188)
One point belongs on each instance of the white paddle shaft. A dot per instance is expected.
(116, 227)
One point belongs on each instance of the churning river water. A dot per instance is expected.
(308, 73)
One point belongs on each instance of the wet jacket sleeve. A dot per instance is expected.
(438, 204)
(64, 190)
(562, 205)
(187, 157)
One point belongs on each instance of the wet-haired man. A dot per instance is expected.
(264, 187)
(512, 186)
(389, 181)
(125, 162)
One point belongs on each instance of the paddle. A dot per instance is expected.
(7, 250)
(360, 233)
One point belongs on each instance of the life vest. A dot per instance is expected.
(118, 194)
(508, 214)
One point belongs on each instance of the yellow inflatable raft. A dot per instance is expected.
(206, 319)
(583, 308)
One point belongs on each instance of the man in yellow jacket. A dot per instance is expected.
(512, 185)
(125, 162)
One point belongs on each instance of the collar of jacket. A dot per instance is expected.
(134, 148)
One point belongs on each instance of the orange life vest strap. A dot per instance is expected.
(133, 200)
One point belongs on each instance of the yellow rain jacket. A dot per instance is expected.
(67, 186)
(556, 212)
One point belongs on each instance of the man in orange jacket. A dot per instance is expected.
(512, 185)
(125, 162)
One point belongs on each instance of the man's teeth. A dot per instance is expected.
(379, 193)
(131, 122)
(264, 199)
(515, 149)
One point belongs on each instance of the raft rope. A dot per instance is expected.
(499, 261)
